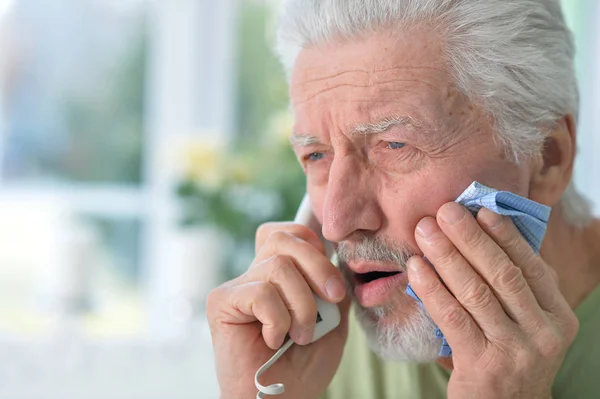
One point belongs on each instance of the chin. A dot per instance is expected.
(400, 331)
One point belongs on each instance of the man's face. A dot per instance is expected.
(385, 139)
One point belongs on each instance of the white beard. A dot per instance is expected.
(401, 330)
(412, 340)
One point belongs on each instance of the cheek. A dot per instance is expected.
(495, 172)
(317, 201)
(485, 163)
(423, 192)
(406, 203)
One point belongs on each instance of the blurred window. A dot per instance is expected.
(72, 91)
(74, 149)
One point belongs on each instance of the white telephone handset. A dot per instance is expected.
(328, 314)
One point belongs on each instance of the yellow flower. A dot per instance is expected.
(203, 163)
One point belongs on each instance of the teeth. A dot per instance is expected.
(371, 276)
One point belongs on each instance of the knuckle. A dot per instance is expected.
(278, 240)
(535, 272)
(281, 267)
(257, 264)
(264, 292)
(473, 237)
(499, 263)
(279, 236)
(263, 231)
(552, 346)
(510, 241)
(477, 295)
(510, 278)
(454, 317)
(571, 327)
(554, 337)
(430, 287)
(447, 257)
(267, 296)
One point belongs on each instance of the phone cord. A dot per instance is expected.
(273, 389)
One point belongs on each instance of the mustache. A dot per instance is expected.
(375, 249)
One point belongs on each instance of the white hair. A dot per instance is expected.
(512, 57)
(412, 341)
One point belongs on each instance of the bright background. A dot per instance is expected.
(125, 127)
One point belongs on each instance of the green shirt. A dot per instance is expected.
(362, 375)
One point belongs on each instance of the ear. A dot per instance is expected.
(552, 170)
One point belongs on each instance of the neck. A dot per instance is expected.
(574, 253)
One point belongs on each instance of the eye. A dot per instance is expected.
(314, 156)
(394, 145)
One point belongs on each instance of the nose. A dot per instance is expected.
(351, 202)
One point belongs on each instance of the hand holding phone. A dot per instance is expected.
(282, 295)
(328, 314)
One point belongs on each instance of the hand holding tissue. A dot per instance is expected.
(528, 216)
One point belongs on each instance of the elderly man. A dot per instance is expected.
(400, 105)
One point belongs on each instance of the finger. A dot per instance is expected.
(473, 293)
(323, 277)
(491, 262)
(282, 273)
(459, 328)
(298, 230)
(540, 277)
(259, 301)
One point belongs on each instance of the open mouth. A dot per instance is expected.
(363, 278)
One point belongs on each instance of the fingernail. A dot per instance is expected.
(452, 213)
(415, 274)
(413, 265)
(427, 227)
(306, 335)
(335, 288)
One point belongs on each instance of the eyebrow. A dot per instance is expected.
(303, 140)
(380, 126)
(383, 125)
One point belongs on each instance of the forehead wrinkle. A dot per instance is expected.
(335, 75)
(380, 84)
(372, 71)
(330, 88)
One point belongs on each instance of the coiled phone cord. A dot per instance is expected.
(273, 389)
